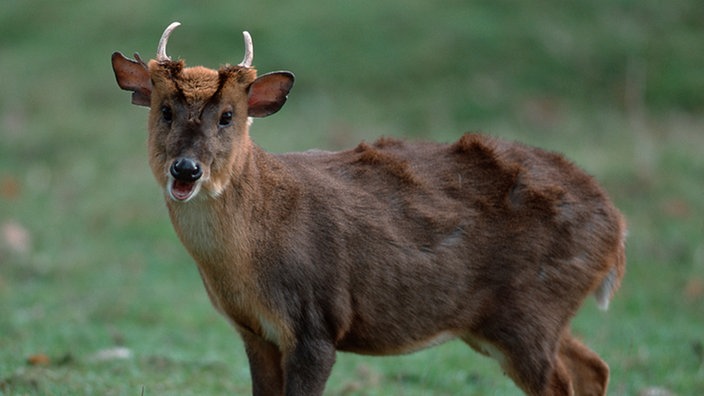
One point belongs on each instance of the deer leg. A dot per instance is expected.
(590, 374)
(307, 367)
(537, 371)
(527, 355)
(264, 365)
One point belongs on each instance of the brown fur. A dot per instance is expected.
(386, 248)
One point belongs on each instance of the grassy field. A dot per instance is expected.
(98, 297)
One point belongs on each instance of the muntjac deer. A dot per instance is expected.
(387, 248)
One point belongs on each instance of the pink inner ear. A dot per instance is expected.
(133, 76)
(267, 94)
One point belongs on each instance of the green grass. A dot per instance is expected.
(615, 85)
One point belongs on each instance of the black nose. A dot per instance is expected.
(186, 170)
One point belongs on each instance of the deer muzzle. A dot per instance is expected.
(184, 179)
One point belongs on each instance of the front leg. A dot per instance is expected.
(307, 367)
(264, 365)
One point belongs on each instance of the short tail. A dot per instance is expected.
(610, 284)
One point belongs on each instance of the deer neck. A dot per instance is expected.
(224, 233)
(223, 230)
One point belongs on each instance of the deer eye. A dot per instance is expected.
(166, 113)
(225, 119)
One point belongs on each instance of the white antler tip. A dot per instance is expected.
(248, 50)
(161, 50)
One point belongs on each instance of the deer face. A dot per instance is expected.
(197, 127)
(199, 118)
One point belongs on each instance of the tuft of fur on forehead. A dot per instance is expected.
(198, 83)
(241, 75)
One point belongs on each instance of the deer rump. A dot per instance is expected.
(396, 246)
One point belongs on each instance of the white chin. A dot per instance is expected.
(182, 191)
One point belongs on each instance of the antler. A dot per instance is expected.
(248, 50)
(161, 49)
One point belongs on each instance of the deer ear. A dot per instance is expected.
(268, 93)
(133, 75)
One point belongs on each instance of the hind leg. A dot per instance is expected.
(538, 372)
(590, 374)
(528, 358)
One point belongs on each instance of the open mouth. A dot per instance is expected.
(182, 191)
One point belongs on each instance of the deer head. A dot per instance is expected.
(199, 118)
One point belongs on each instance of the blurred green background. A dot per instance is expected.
(98, 297)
